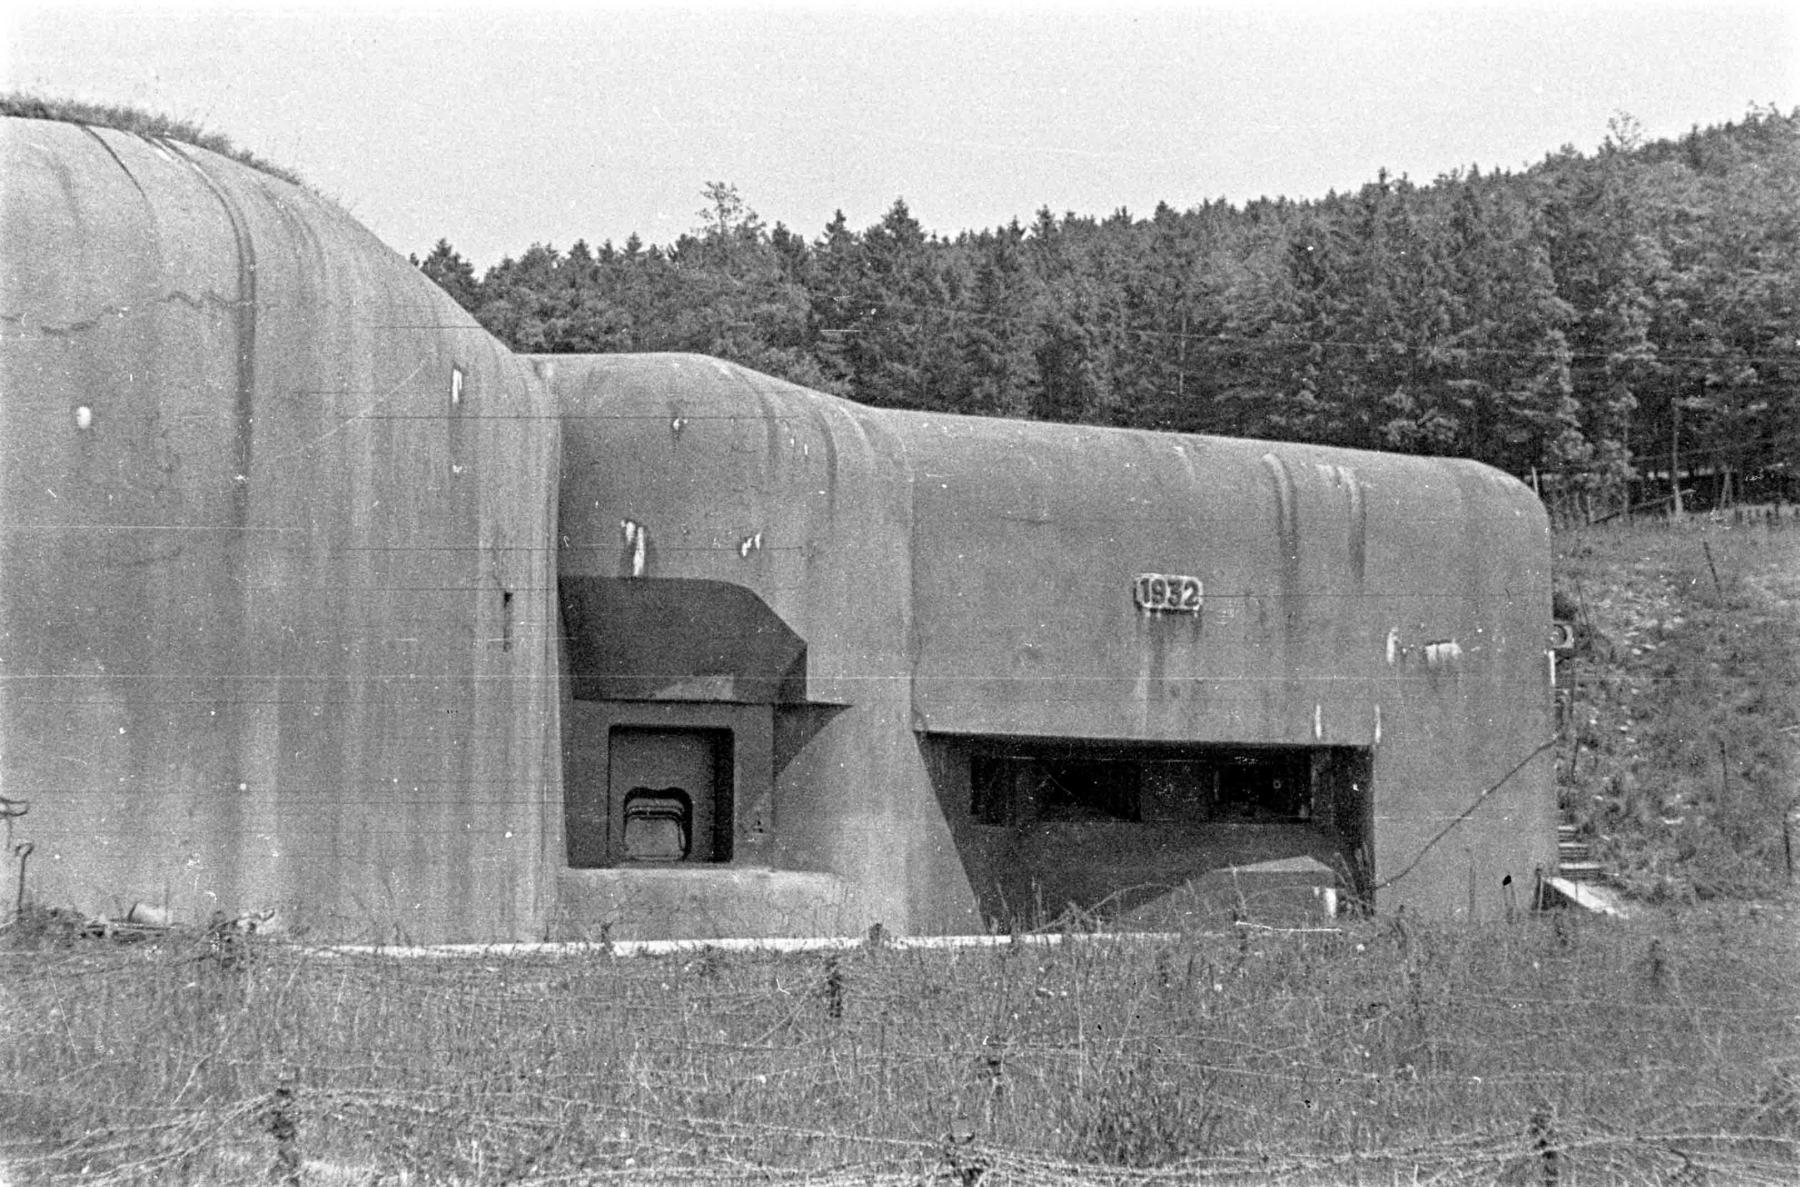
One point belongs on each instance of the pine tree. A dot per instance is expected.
(1609, 269)
(1506, 358)
(997, 344)
(455, 275)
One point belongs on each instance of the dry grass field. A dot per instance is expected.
(1553, 1048)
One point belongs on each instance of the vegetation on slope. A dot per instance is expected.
(1681, 747)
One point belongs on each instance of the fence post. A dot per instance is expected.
(22, 851)
(834, 988)
(1787, 839)
(1543, 1140)
(284, 1127)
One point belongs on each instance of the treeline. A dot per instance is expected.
(1590, 319)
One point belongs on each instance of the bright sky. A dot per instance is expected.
(500, 128)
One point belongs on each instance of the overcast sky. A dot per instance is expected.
(500, 128)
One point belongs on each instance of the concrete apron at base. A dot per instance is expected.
(666, 904)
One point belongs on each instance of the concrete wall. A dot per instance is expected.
(686, 471)
(275, 610)
(1355, 599)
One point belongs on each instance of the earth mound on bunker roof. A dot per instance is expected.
(137, 122)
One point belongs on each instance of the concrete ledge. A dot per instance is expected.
(1597, 900)
(697, 903)
(752, 944)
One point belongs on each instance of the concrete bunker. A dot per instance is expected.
(315, 598)
(977, 673)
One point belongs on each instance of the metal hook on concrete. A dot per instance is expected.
(22, 851)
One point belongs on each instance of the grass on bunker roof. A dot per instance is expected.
(138, 122)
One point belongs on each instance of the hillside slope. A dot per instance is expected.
(1681, 743)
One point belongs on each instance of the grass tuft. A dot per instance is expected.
(137, 122)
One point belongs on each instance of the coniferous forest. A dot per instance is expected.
(1593, 323)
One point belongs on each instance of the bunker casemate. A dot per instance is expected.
(316, 599)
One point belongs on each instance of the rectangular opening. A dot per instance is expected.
(666, 799)
(1110, 826)
(1020, 783)
(670, 794)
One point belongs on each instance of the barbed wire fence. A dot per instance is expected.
(1549, 1050)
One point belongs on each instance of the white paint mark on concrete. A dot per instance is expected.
(637, 539)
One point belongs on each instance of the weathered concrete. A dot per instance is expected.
(275, 609)
(315, 598)
(921, 586)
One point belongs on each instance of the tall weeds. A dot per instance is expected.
(1552, 1048)
(1375, 1053)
